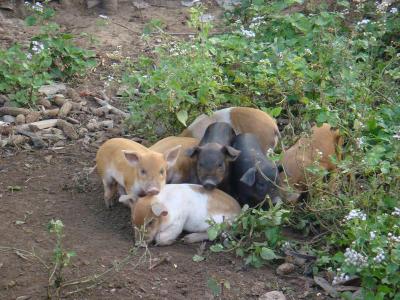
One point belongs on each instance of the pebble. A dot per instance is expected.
(32, 117)
(274, 295)
(52, 89)
(8, 119)
(44, 102)
(20, 119)
(285, 268)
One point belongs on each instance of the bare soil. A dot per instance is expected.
(37, 186)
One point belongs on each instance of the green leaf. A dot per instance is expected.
(214, 286)
(212, 233)
(198, 258)
(217, 248)
(30, 21)
(267, 254)
(182, 116)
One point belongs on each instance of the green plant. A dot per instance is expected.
(61, 257)
(52, 55)
(255, 235)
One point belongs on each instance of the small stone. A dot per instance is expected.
(12, 283)
(19, 139)
(59, 144)
(68, 129)
(83, 131)
(52, 89)
(101, 111)
(113, 290)
(32, 117)
(65, 109)
(285, 268)
(274, 295)
(51, 112)
(59, 99)
(107, 124)
(48, 158)
(76, 106)
(20, 119)
(8, 119)
(73, 95)
(163, 293)
(44, 102)
(93, 125)
(23, 298)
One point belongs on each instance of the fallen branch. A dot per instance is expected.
(113, 109)
(38, 125)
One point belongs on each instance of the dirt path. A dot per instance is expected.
(52, 185)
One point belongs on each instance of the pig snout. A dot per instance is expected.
(152, 191)
(209, 184)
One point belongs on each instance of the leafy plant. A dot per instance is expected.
(255, 234)
(61, 257)
(52, 55)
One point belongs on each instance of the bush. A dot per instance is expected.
(52, 55)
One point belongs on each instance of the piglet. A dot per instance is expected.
(324, 143)
(132, 169)
(214, 155)
(184, 170)
(251, 186)
(242, 120)
(182, 207)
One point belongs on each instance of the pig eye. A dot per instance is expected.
(162, 171)
(143, 171)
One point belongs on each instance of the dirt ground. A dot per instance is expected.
(39, 185)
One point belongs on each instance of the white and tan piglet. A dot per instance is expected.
(182, 207)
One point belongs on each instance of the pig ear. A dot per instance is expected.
(172, 155)
(191, 152)
(233, 154)
(249, 177)
(132, 157)
(159, 209)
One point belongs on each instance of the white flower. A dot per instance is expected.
(352, 257)
(394, 10)
(393, 238)
(110, 78)
(372, 235)
(37, 47)
(103, 17)
(363, 22)
(38, 7)
(340, 278)
(380, 256)
(397, 136)
(29, 56)
(356, 214)
(247, 33)
(308, 51)
(396, 212)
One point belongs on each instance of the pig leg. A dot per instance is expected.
(110, 189)
(195, 237)
(169, 236)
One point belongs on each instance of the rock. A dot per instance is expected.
(13, 111)
(83, 131)
(163, 293)
(23, 298)
(228, 4)
(92, 125)
(38, 143)
(8, 119)
(285, 268)
(68, 129)
(52, 89)
(20, 119)
(65, 109)
(274, 295)
(18, 139)
(72, 120)
(101, 111)
(12, 283)
(51, 112)
(326, 286)
(107, 124)
(33, 116)
(48, 158)
(73, 95)
(76, 106)
(44, 102)
(59, 144)
(3, 99)
(190, 3)
(59, 99)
